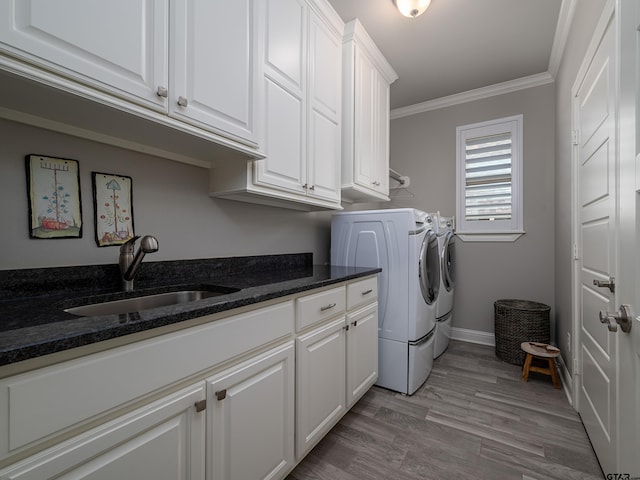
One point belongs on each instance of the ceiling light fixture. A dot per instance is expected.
(412, 8)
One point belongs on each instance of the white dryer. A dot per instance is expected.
(444, 308)
(404, 244)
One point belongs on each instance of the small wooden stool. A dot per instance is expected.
(539, 351)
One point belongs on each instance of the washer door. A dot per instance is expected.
(448, 261)
(429, 267)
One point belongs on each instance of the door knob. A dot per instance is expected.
(622, 317)
(611, 284)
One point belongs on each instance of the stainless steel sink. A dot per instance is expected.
(137, 304)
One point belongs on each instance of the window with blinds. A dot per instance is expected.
(489, 176)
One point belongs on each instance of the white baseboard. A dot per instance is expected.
(473, 336)
(566, 379)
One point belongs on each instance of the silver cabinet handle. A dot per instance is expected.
(183, 102)
(611, 284)
(367, 292)
(328, 307)
(162, 92)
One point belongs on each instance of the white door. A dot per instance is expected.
(597, 236)
(628, 19)
(606, 106)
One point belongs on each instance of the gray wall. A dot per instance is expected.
(423, 146)
(171, 201)
(585, 19)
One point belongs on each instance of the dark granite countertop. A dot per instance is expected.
(32, 302)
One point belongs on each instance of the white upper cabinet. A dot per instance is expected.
(303, 75)
(325, 110)
(214, 74)
(285, 64)
(365, 138)
(302, 91)
(191, 67)
(120, 46)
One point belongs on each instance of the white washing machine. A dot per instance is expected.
(404, 244)
(445, 228)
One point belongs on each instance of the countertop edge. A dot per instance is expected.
(32, 342)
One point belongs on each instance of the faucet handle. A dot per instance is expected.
(128, 246)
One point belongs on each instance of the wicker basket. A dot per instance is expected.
(518, 321)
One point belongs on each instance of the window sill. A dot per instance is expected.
(489, 236)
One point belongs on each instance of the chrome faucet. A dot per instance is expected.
(129, 262)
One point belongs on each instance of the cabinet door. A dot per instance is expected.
(382, 137)
(161, 441)
(366, 114)
(362, 352)
(285, 125)
(214, 61)
(250, 414)
(119, 46)
(320, 383)
(325, 99)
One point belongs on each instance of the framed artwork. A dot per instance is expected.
(113, 207)
(53, 188)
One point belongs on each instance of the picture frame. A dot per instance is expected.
(53, 190)
(113, 208)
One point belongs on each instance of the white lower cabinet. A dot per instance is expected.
(250, 415)
(320, 383)
(362, 352)
(336, 356)
(161, 441)
(244, 397)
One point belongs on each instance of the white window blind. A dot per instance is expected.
(489, 177)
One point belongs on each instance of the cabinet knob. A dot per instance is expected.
(221, 395)
(200, 405)
(183, 102)
(162, 92)
(312, 187)
(355, 323)
(305, 186)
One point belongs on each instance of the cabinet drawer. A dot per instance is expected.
(319, 306)
(362, 292)
(45, 402)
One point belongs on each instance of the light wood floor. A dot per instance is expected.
(473, 419)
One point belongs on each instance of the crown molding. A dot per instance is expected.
(523, 83)
(563, 26)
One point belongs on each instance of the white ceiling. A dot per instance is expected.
(458, 45)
